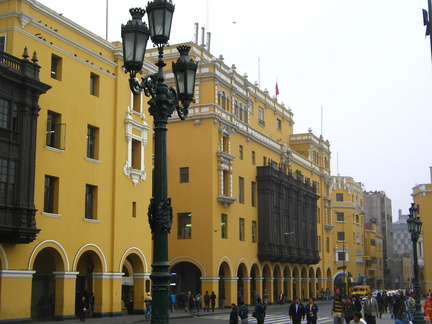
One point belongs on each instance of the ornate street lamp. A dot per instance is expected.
(162, 103)
(415, 227)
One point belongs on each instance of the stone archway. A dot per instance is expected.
(88, 284)
(243, 284)
(186, 276)
(43, 298)
(135, 283)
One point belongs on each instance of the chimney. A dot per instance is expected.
(196, 33)
(203, 36)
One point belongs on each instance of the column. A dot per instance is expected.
(107, 292)
(65, 285)
(139, 292)
(247, 290)
(16, 292)
(230, 290)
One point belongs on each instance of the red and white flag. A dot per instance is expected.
(277, 90)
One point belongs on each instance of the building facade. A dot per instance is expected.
(378, 210)
(251, 198)
(74, 223)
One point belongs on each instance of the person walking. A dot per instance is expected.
(349, 310)
(243, 312)
(148, 303)
(402, 317)
(338, 309)
(371, 310)
(260, 311)
(172, 301)
(427, 305)
(311, 310)
(83, 309)
(357, 319)
(296, 311)
(234, 314)
(198, 302)
(213, 300)
(207, 301)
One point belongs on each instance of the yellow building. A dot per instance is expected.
(349, 233)
(250, 197)
(374, 267)
(422, 195)
(92, 180)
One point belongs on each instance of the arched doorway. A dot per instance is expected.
(43, 285)
(135, 284)
(88, 263)
(241, 273)
(186, 276)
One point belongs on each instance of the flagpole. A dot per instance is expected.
(106, 20)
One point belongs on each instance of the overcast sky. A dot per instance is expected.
(366, 63)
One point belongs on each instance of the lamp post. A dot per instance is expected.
(163, 101)
(415, 227)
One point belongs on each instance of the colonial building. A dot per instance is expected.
(251, 198)
(75, 170)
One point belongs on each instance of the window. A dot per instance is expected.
(7, 181)
(261, 116)
(243, 113)
(224, 226)
(184, 228)
(92, 142)
(225, 184)
(90, 202)
(3, 43)
(94, 84)
(184, 175)
(241, 152)
(253, 193)
(236, 109)
(340, 217)
(327, 244)
(54, 131)
(56, 67)
(134, 209)
(241, 190)
(278, 124)
(254, 231)
(136, 103)
(8, 115)
(253, 157)
(136, 154)
(339, 197)
(225, 144)
(51, 195)
(241, 229)
(341, 236)
(341, 256)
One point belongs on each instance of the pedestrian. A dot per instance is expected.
(349, 310)
(296, 311)
(427, 306)
(234, 314)
(213, 300)
(311, 310)
(357, 303)
(322, 294)
(243, 312)
(402, 316)
(83, 309)
(410, 306)
(172, 301)
(148, 303)
(260, 311)
(357, 319)
(328, 294)
(371, 309)
(281, 298)
(338, 309)
(207, 301)
(397, 302)
(191, 302)
(381, 303)
(198, 301)
(256, 295)
(265, 295)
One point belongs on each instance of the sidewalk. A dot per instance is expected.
(180, 313)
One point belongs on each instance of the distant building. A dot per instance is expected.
(401, 237)
(378, 210)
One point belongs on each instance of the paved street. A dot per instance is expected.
(276, 314)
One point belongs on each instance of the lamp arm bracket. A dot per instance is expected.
(148, 85)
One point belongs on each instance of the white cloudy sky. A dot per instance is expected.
(367, 63)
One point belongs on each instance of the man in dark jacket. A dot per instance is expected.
(296, 311)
